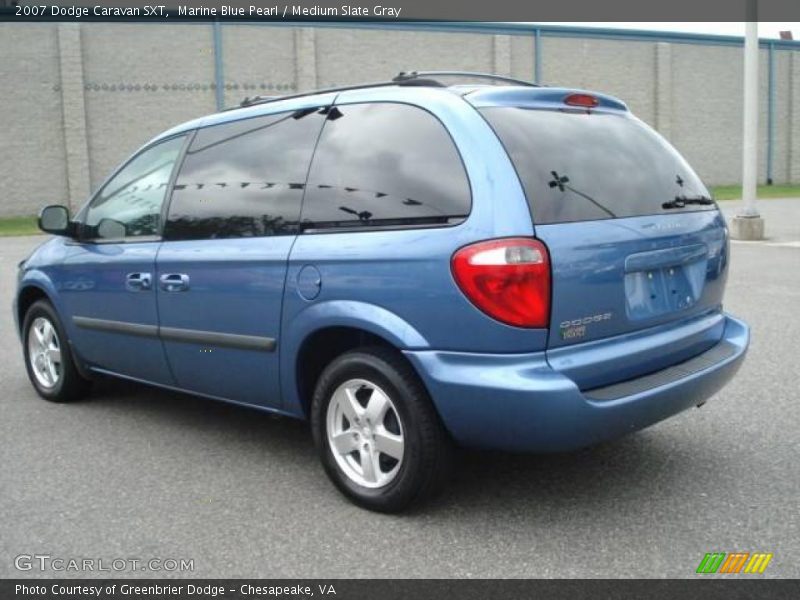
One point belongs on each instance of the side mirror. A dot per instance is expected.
(55, 219)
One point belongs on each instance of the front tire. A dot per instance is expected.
(378, 435)
(48, 358)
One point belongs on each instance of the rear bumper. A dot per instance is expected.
(520, 403)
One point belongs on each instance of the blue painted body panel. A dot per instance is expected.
(544, 97)
(235, 286)
(494, 385)
(88, 280)
(519, 403)
(36, 272)
(626, 356)
(626, 263)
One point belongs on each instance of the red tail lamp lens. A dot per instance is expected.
(508, 279)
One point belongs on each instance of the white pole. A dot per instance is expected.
(750, 146)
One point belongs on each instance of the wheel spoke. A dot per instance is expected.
(51, 373)
(345, 442)
(55, 355)
(349, 405)
(368, 466)
(48, 332)
(38, 333)
(389, 443)
(376, 407)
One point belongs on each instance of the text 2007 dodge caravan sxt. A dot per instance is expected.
(406, 265)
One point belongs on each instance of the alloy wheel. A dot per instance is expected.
(44, 352)
(365, 434)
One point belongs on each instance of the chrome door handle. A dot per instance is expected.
(174, 282)
(138, 282)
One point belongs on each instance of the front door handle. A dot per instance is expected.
(138, 282)
(175, 282)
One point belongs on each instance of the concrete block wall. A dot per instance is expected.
(81, 97)
(34, 161)
(381, 54)
(140, 80)
(792, 127)
(706, 99)
(782, 118)
(522, 57)
(261, 60)
(623, 69)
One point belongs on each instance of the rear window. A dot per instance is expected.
(578, 166)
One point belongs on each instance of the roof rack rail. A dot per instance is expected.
(411, 78)
(251, 100)
(408, 77)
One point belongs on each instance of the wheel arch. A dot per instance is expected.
(28, 294)
(38, 287)
(324, 331)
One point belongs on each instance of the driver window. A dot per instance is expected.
(129, 205)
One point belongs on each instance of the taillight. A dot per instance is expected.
(508, 279)
(583, 100)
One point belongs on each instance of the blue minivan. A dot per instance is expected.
(409, 265)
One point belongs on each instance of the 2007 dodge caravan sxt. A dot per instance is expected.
(406, 265)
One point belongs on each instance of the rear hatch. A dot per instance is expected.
(637, 247)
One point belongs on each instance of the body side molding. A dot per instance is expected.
(116, 326)
(174, 334)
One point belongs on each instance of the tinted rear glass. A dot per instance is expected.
(576, 166)
(384, 164)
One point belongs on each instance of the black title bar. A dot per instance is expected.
(405, 10)
(734, 588)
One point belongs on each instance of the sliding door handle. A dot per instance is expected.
(174, 282)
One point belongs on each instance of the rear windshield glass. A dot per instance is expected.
(576, 166)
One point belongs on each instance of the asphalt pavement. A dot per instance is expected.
(135, 472)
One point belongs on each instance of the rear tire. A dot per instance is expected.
(379, 437)
(48, 358)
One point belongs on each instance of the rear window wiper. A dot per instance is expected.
(681, 201)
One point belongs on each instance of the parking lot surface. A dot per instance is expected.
(135, 472)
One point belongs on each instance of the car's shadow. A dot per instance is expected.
(540, 486)
(186, 411)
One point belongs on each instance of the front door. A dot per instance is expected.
(107, 281)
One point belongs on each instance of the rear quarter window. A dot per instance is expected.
(579, 166)
(382, 165)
